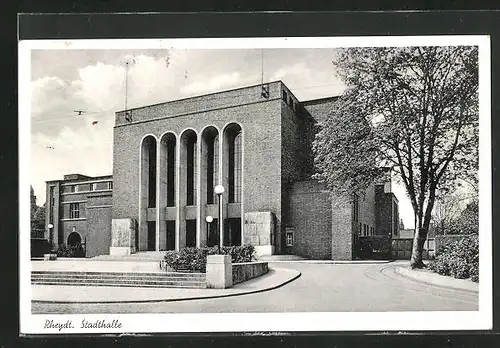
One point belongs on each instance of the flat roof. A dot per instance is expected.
(206, 95)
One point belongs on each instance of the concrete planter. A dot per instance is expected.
(49, 257)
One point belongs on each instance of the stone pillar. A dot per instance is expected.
(159, 206)
(219, 273)
(122, 237)
(198, 192)
(259, 231)
(178, 244)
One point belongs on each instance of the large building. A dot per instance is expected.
(257, 143)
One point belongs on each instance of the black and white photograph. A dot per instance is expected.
(255, 184)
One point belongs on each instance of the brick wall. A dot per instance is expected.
(98, 225)
(342, 228)
(320, 108)
(310, 216)
(386, 218)
(260, 119)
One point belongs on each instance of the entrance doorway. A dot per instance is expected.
(232, 231)
(170, 235)
(191, 233)
(151, 235)
(74, 239)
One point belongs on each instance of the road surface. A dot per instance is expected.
(320, 288)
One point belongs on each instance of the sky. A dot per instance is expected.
(63, 81)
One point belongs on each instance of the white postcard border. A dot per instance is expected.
(264, 322)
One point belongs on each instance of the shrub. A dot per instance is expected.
(39, 247)
(195, 259)
(70, 251)
(459, 259)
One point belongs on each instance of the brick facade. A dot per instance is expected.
(93, 203)
(163, 150)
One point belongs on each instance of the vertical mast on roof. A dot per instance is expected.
(265, 88)
(128, 113)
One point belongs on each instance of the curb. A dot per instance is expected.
(438, 280)
(333, 262)
(185, 298)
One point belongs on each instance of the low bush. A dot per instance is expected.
(459, 259)
(195, 259)
(70, 251)
(39, 247)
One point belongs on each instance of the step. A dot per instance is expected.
(125, 274)
(159, 279)
(131, 279)
(123, 285)
(131, 275)
(117, 281)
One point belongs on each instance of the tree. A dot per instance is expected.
(33, 205)
(468, 220)
(39, 218)
(414, 109)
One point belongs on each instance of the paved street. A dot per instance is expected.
(320, 288)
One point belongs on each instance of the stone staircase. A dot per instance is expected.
(121, 279)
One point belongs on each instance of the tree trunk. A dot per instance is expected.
(421, 231)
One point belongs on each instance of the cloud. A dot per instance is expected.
(94, 80)
(216, 83)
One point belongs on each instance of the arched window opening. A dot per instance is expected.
(149, 170)
(212, 167)
(191, 170)
(235, 158)
(168, 168)
(152, 177)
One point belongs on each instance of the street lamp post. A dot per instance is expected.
(51, 238)
(219, 190)
(208, 219)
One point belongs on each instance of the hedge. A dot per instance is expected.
(459, 259)
(195, 259)
(70, 251)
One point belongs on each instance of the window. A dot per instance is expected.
(289, 239)
(69, 189)
(98, 186)
(191, 173)
(51, 205)
(152, 175)
(212, 169)
(74, 210)
(235, 169)
(285, 96)
(82, 187)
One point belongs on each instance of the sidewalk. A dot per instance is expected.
(276, 277)
(435, 279)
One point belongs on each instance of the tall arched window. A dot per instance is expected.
(191, 169)
(212, 169)
(149, 171)
(235, 158)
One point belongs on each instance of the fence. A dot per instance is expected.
(401, 248)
